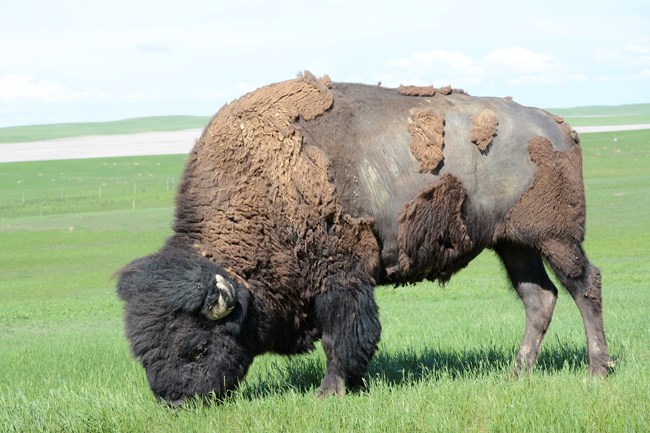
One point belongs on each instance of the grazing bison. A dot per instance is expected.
(303, 195)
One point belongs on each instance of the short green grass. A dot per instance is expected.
(445, 352)
(19, 134)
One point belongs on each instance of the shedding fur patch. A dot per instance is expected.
(428, 90)
(432, 235)
(427, 129)
(570, 132)
(551, 214)
(484, 129)
(259, 200)
(416, 90)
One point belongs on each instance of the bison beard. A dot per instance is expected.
(301, 196)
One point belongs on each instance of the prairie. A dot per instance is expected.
(444, 359)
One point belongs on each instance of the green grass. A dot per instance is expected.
(19, 134)
(445, 352)
(70, 187)
(605, 115)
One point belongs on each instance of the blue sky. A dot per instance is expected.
(66, 61)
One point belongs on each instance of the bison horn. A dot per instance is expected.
(225, 302)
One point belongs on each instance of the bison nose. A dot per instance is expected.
(173, 403)
(176, 403)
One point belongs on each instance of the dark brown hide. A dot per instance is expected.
(416, 90)
(551, 214)
(484, 128)
(432, 235)
(427, 131)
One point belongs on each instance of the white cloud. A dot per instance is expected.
(153, 48)
(511, 64)
(519, 60)
(422, 66)
(633, 55)
(15, 87)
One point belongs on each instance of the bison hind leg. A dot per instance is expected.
(527, 274)
(583, 282)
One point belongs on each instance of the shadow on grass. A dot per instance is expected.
(405, 367)
(302, 374)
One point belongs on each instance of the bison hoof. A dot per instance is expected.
(602, 369)
(331, 386)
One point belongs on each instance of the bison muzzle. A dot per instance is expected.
(301, 196)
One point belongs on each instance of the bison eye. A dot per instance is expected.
(198, 352)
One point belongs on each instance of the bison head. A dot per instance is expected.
(185, 320)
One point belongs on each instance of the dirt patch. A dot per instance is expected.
(427, 129)
(484, 129)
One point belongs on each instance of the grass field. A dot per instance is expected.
(443, 362)
(19, 134)
(605, 115)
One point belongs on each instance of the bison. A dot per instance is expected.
(302, 196)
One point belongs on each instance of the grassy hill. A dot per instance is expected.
(19, 134)
(605, 115)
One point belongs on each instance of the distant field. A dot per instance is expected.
(66, 226)
(580, 116)
(605, 115)
(19, 134)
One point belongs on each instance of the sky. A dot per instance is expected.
(79, 61)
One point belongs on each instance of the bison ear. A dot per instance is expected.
(219, 306)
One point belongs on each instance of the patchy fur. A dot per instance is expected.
(428, 91)
(416, 90)
(300, 196)
(570, 132)
(283, 199)
(427, 138)
(551, 214)
(432, 234)
(484, 129)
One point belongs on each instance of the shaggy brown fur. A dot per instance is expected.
(427, 138)
(416, 90)
(428, 91)
(280, 219)
(432, 235)
(484, 129)
(551, 214)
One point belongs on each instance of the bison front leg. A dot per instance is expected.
(350, 332)
(528, 276)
